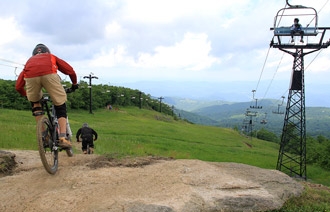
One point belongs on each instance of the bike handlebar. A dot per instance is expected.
(69, 90)
(72, 89)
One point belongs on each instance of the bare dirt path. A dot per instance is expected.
(90, 183)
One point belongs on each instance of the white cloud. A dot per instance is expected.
(129, 40)
(9, 30)
(321, 65)
(166, 11)
(113, 29)
(192, 53)
(110, 58)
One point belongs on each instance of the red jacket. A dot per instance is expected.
(43, 64)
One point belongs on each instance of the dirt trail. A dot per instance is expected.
(76, 186)
(90, 183)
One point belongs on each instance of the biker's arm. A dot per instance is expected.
(20, 83)
(67, 69)
(78, 134)
(95, 134)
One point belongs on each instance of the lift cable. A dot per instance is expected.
(263, 67)
(9, 61)
(8, 65)
(318, 12)
(320, 49)
(278, 66)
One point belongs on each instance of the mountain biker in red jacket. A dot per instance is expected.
(40, 71)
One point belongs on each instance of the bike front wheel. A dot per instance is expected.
(69, 152)
(47, 151)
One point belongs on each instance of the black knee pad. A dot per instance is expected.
(37, 111)
(61, 111)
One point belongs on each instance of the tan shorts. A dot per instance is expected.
(52, 84)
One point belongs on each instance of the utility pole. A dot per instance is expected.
(90, 77)
(292, 153)
(160, 103)
(140, 98)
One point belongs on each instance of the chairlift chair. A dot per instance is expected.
(306, 15)
(278, 107)
(308, 18)
(264, 120)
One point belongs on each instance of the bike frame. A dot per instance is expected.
(53, 120)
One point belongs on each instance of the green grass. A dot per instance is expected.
(139, 132)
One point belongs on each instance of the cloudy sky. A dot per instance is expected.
(186, 48)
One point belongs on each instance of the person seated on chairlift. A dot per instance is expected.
(296, 28)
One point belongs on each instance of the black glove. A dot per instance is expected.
(74, 87)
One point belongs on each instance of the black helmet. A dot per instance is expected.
(296, 19)
(39, 49)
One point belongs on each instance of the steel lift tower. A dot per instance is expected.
(292, 153)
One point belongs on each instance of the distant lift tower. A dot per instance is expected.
(292, 153)
(248, 122)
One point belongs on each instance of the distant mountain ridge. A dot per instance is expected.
(232, 114)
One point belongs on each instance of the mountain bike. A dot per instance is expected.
(88, 149)
(48, 136)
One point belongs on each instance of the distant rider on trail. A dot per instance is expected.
(86, 133)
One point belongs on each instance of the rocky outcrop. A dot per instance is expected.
(154, 185)
(7, 162)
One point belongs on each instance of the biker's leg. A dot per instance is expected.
(34, 95)
(37, 111)
(84, 146)
(68, 129)
(52, 83)
(61, 117)
(91, 146)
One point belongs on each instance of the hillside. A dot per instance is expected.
(144, 156)
(224, 114)
(145, 132)
(131, 131)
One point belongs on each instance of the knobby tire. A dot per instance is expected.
(69, 151)
(48, 154)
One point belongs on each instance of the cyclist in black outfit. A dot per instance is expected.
(86, 133)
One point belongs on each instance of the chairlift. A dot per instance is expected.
(278, 107)
(264, 120)
(278, 110)
(250, 113)
(284, 20)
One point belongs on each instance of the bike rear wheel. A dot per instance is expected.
(47, 151)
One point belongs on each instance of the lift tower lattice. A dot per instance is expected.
(292, 153)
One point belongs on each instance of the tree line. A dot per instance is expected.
(103, 96)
